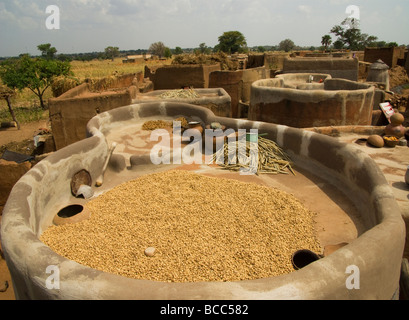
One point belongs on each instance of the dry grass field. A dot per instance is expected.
(27, 106)
(103, 68)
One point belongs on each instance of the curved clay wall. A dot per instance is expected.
(237, 84)
(335, 102)
(35, 199)
(343, 68)
(215, 99)
(304, 81)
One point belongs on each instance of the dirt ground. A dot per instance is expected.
(18, 141)
(27, 131)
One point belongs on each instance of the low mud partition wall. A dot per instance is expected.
(343, 68)
(70, 116)
(304, 81)
(376, 253)
(71, 111)
(335, 102)
(215, 99)
(180, 76)
(237, 84)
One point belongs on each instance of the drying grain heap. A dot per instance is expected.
(189, 93)
(201, 228)
(163, 124)
(226, 63)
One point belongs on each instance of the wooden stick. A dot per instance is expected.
(100, 179)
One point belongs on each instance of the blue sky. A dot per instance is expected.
(92, 25)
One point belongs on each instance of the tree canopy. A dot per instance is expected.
(47, 51)
(111, 52)
(286, 45)
(232, 42)
(326, 41)
(350, 36)
(158, 49)
(178, 50)
(35, 74)
(204, 49)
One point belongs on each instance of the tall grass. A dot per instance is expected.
(105, 68)
(24, 114)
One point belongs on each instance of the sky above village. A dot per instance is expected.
(79, 26)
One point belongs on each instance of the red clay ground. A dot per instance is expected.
(18, 138)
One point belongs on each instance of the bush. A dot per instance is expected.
(62, 84)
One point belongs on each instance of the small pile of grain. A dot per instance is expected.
(180, 94)
(156, 124)
(162, 124)
(226, 63)
(202, 229)
(183, 122)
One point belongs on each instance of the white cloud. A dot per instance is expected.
(304, 9)
(16, 15)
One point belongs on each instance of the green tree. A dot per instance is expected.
(338, 45)
(167, 53)
(111, 52)
(326, 41)
(204, 49)
(286, 45)
(383, 44)
(47, 52)
(351, 36)
(232, 42)
(35, 74)
(178, 50)
(261, 49)
(392, 44)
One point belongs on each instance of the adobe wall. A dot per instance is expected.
(237, 84)
(120, 81)
(70, 112)
(114, 82)
(390, 56)
(180, 76)
(255, 61)
(407, 63)
(75, 92)
(69, 116)
(275, 61)
(343, 68)
(339, 102)
(217, 100)
(10, 173)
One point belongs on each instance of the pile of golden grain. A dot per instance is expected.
(180, 94)
(202, 228)
(162, 124)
